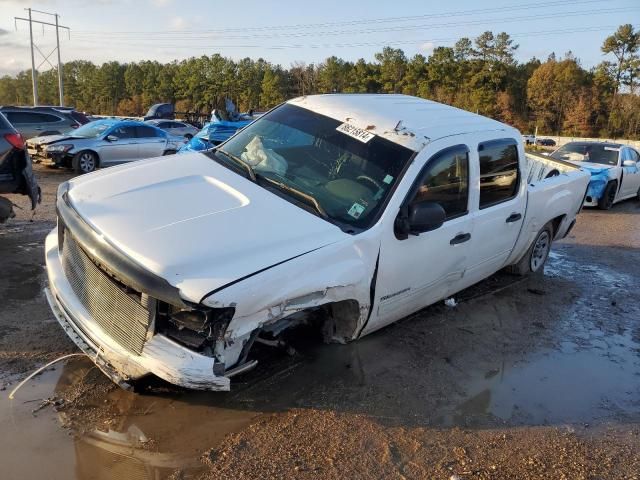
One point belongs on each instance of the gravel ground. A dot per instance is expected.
(534, 378)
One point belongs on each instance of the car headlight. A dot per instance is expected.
(59, 148)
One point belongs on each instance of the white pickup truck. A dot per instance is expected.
(344, 212)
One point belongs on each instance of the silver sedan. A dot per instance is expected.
(174, 127)
(104, 143)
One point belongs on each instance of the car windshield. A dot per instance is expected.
(588, 152)
(92, 129)
(308, 159)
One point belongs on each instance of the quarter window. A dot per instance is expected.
(446, 181)
(499, 173)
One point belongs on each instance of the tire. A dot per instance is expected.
(169, 152)
(84, 162)
(188, 136)
(533, 262)
(609, 195)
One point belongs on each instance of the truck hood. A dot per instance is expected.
(195, 223)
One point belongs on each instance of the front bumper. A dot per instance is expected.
(160, 355)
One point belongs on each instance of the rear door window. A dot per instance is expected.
(499, 172)
(146, 132)
(30, 117)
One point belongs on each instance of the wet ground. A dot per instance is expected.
(533, 378)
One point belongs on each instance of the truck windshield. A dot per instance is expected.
(309, 160)
(588, 152)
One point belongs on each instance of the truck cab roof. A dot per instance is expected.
(410, 121)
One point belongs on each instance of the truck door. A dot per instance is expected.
(499, 208)
(421, 269)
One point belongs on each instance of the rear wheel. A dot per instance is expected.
(169, 152)
(188, 136)
(85, 162)
(534, 260)
(608, 197)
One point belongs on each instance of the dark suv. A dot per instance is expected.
(38, 121)
(16, 175)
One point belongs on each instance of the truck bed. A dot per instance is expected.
(554, 188)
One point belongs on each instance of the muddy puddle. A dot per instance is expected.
(590, 376)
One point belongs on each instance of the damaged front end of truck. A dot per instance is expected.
(133, 323)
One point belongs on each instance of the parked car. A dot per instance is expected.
(614, 168)
(104, 143)
(37, 121)
(529, 139)
(160, 111)
(216, 132)
(16, 175)
(344, 212)
(545, 142)
(174, 127)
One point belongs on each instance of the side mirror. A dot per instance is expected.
(111, 138)
(629, 163)
(420, 217)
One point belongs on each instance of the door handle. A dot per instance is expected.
(514, 217)
(461, 238)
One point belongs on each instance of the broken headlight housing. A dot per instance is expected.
(197, 328)
(59, 148)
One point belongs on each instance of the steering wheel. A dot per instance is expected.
(370, 180)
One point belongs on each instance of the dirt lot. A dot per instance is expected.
(523, 379)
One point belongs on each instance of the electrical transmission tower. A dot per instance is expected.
(34, 70)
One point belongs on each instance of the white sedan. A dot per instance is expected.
(614, 168)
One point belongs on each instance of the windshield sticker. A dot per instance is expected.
(612, 149)
(356, 210)
(355, 132)
(388, 179)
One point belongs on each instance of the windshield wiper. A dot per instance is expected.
(245, 165)
(309, 199)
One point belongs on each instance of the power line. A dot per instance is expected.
(404, 28)
(517, 35)
(359, 22)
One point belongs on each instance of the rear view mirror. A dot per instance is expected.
(629, 163)
(111, 138)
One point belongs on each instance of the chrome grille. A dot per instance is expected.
(118, 313)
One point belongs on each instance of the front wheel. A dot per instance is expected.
(608, 197)
(85, 162)
(536, 257)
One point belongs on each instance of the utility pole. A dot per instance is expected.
(34, 70)
(60, 89)
(34, 78)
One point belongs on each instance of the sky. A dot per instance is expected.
(290, 31)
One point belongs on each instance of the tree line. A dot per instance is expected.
(557, 95)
